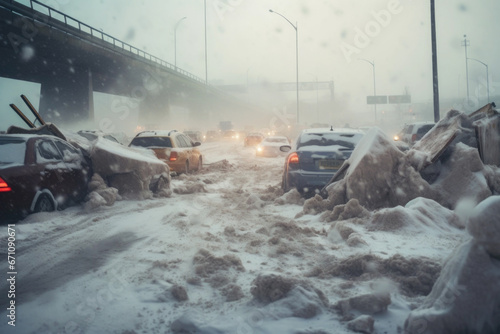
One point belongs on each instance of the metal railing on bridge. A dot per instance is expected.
(57, 18)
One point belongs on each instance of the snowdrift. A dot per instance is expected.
(466, 296)
(430, 187)
(379, 175)
(135, 174)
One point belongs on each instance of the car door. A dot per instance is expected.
(184, 149)
(52, 168)
(76, 173)
(194, 154)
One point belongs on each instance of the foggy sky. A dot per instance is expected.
(247, 43)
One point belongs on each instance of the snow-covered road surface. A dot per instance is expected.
(188, 261)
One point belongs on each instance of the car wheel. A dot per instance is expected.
(200, 164)
(44, 204)
(186, 168)
(284, 184)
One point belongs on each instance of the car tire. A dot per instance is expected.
(44, 204)
(186, 168)
(284, 184)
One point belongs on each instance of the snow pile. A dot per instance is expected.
(271, 194)
(350, 210)
(190, 185)
(291, 197)
(414, 276)
(463, 163)
(100, 194)
(466, 297)
(367, 304)
(135, 173)
(222, 165)
(130, 171)
(218, 272)
(291, 298)
(418, 215)
(381, 176)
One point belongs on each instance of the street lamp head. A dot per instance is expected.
(270, 10)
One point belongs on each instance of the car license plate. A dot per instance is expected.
(330, 164)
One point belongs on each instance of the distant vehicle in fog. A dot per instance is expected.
(270, 146)
(253, 139)
(231, 135)
(212, 135)
(413, 132)
(40, 173)
(195, 135)
(319, 153)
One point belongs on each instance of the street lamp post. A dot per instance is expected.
(435, 85)
(175, 41)
(295, 26)
(487, 79)
(466, 43)
(374, 85)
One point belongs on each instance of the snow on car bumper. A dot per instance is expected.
(301, 179)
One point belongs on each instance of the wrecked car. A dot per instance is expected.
(40, 173)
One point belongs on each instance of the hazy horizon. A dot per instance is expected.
(336, 40)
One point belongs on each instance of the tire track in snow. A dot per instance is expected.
(65, 262)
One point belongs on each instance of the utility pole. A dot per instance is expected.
(206, 61)
(466, 43)
(434, 64)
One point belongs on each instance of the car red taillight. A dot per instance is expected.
(293, 158)
(4, 187)
(413, 138)
(173, 156)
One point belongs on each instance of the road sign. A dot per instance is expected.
(379, 99)
(399, 99)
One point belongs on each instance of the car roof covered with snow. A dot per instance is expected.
(156, 133)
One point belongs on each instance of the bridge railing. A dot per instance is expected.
(70, 22)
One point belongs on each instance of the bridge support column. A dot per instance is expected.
(67, 98)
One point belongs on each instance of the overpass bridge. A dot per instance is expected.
(71, 60)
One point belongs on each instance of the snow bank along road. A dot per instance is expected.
(190, 261)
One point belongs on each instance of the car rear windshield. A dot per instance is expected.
(347, 140)
(151, 142)
(12, 151)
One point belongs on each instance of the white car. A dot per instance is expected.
(270, 146)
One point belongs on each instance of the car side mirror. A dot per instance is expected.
(285, 148)
(196, 143)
